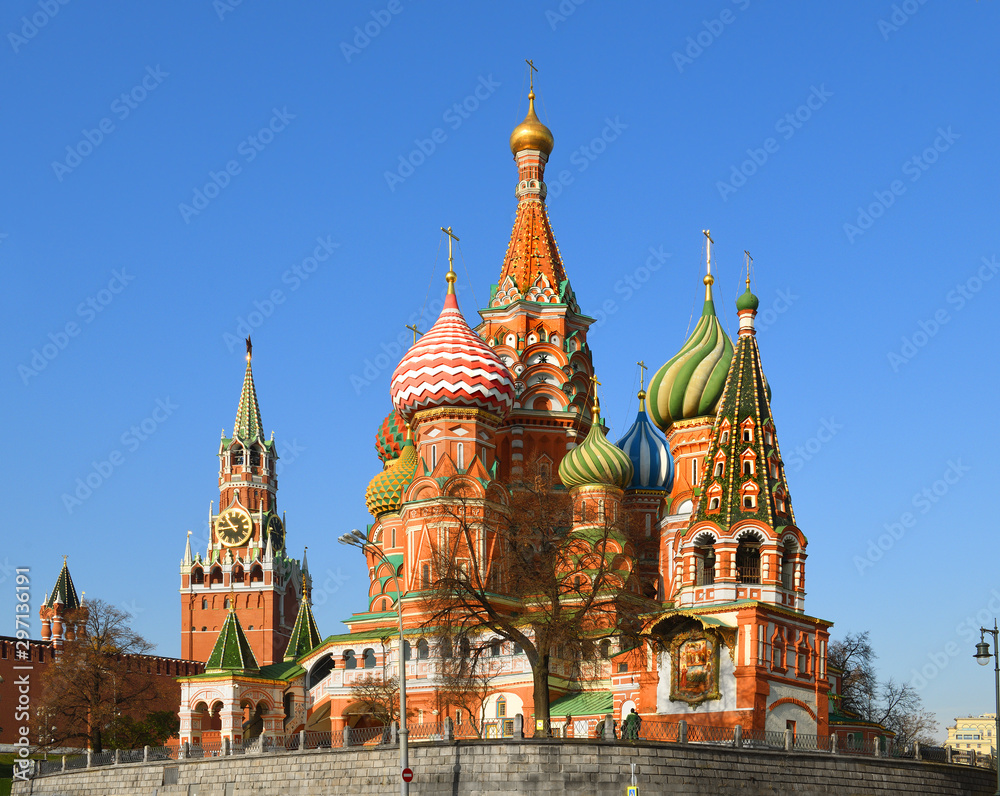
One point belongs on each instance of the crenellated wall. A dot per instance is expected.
(581, 768)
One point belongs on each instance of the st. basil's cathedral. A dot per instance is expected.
(475, 410)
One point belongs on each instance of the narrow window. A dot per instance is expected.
(747, 435)
(425, 576)
(747, 467)
(461, 456)
(434, 456)
(694, 472)
(725, 437)
(393, 537)
(713, 503)
(718, 469)
(501, 708)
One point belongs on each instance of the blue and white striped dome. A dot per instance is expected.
(646, 447)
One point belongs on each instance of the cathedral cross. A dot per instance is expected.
(642, 374)
(531, 74)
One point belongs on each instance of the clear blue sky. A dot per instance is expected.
(875, 336)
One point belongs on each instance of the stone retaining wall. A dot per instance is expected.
(488, 768)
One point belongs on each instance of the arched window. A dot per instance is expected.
(216, 576)
(788, 564)
(705, 560)
(197, 575)
(719, 467)
(423, 650)
(225, 603)
(445, 648)
(237, 574)
(725, 437)
(407, 651)
(350, 662)
(385, 605)
(256, 574)
(749, 501)
(369, 658)
(748, 467)
(464, 648)
(714, 503)
(204, 603)
(495, 648)
(606, 648)
(748, 558)
(425, 576)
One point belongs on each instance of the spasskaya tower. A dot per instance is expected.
(245, 566)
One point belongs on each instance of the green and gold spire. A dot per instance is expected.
(690, 384)
(743, 476)
(595, 461)
(64, 592)
(305, 633)
(232, 652)
(248, 424)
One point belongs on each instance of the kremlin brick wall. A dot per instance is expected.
(575, 768)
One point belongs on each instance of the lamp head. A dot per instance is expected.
(361, 537)
(983, 654)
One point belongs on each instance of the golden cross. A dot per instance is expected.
(415, 331)
(451, 237)
(749, 263)
(642, 374)
(531, 74)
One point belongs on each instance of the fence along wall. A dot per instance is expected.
(484, 768)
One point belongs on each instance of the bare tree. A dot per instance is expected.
(378, 696)
(896, 706)
(515, 568)
(467, 681)
(95, 681)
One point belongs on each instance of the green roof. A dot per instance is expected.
(585, 703)
(305, 634)
(232, 651)
(248, 424)
(64, 591)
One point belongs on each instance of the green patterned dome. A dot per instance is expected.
(595, 461)
(385, 492)
(690, 384)
(389, 437)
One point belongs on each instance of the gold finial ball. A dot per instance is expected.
(642, 395)
(709, 279)
(451, 277)
(531, 133)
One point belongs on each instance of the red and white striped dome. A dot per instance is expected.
(451, 366)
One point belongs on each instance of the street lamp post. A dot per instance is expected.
(983, 656)
(357, 539)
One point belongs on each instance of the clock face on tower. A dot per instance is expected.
(277, 531)
(233, 527)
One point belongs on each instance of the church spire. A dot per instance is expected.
(305, 634)
(532, 259)
(248, 425)
(744, 476)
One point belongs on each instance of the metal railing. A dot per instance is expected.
(502, 730)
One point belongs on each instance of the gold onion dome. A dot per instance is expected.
(690, 384)
(531, 133)
(385, 492)
(595, 461)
